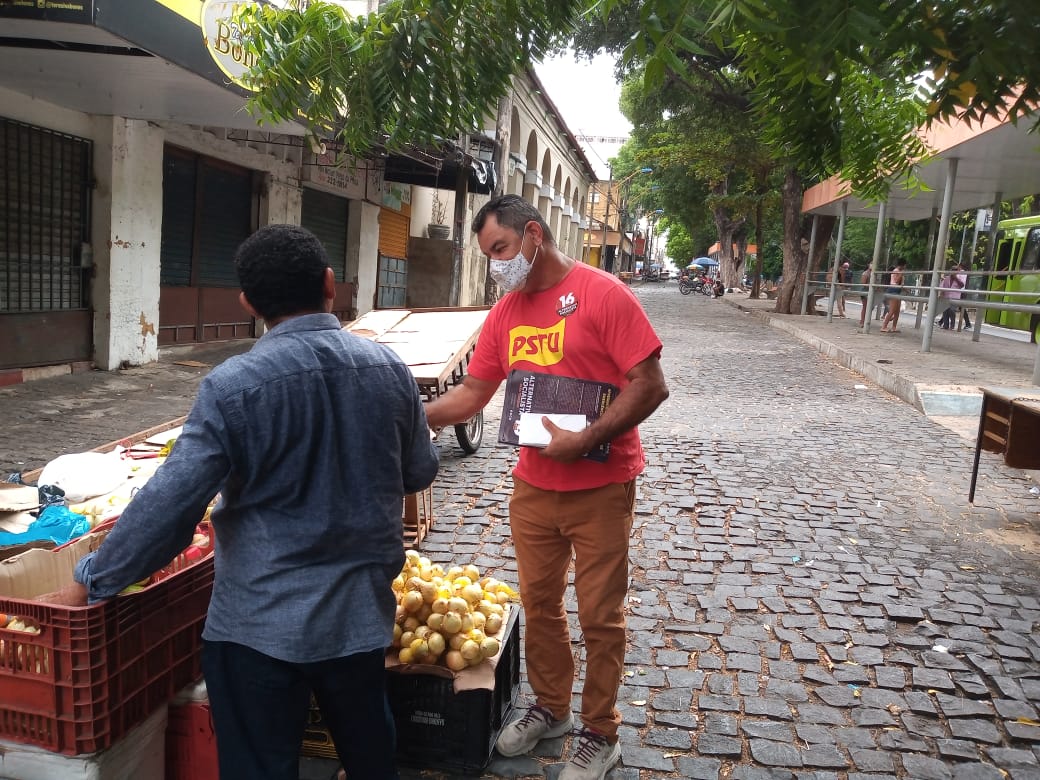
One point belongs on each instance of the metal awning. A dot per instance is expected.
(994, 156)
(139, 59)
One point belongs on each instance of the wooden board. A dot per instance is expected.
(434, 343)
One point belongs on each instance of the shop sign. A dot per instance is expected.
(346, 179)
(225, 39)
(75, 11)
(396, 195)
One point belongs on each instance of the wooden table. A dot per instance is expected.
(1009, 425)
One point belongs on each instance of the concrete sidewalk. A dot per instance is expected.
(944, 383)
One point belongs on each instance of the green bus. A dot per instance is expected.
(1018, 249)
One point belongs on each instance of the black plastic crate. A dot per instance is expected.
(436, 727)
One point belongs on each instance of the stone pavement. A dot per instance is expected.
(812, 597)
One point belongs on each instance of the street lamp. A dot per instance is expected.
(606, 213)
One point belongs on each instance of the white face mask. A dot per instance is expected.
(512, 274)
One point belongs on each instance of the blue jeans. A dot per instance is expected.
(260, 706)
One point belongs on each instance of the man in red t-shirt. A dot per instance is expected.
(565, 318)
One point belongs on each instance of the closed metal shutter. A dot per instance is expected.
(224, 218)
(43, 218)
(208, 210)
(326, 217)
(178, 219)
(393, 233)
(45, 315)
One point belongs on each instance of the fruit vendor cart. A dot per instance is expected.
(436, 344)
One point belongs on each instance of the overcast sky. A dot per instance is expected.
(587, 96)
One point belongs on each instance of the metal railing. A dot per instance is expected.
(972, 297)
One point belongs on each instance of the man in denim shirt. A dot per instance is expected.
(312, 438)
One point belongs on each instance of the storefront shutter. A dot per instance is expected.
(178, 219)
(393, 233)
(224, 221)
(326, 216)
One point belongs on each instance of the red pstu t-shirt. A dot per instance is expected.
(589, 326)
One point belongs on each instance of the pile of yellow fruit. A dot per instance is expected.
(452, 617)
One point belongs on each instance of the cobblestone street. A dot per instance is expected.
(812, 595)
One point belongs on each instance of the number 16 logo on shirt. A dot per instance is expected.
(568, 304)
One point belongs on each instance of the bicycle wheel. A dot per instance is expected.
(471, 433)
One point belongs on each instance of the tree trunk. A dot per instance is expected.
(756, 283)
(797, 232)
(726, 228)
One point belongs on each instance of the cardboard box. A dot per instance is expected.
(36, 572)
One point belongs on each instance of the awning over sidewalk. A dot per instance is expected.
(140, 59)
(994, 156)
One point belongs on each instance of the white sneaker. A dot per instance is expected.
(592, 759)
(536, 724)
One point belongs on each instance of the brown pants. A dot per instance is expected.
(595, 524)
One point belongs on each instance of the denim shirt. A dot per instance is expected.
(312, 438)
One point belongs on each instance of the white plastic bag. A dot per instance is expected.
(83, 475)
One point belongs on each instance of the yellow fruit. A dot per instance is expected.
(436, 644)
(412, 601)
(478, 619)
(400, 615)
(422, 632)
(502, 597)
(453, 572)
(405, 656)
(438, 570)
(435, 621)
(477, 661)
(411, 623)
(452, 623)
(489, 647)
(458, 605)
(461, 582)
(470, 650)
(456, 641)
(424, 612)
(467, 623)
(420, 649)
(439, 605)
(413, 583)
(397, 635)
(412, 557)
(473, 593)
(454, 661)
(428, 591)
(407, 637)
(424, 562)
(471, 571)
(397, 584)
(493, 624)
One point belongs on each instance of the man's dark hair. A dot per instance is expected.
(514, 212)
(281, 269)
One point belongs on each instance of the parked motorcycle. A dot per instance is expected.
(689, 284)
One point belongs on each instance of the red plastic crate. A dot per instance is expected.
(93, 673)
(191, 745)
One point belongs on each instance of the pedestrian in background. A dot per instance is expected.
(949, 311)
(565, 318)
(844, 277)
(864, 282)
(893, 289)
(312, 438)
(960, 284)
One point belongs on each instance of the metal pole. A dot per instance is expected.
(606, 217)
(879, 245)
(812, 247)
(837, 257)
(940, 251)
(931, 246)
(991, 250)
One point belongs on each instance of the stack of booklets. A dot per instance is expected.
(570, 403)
